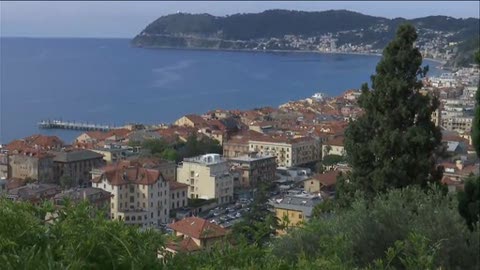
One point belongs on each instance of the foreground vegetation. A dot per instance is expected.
(405, 228)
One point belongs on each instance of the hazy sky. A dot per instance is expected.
(126, 19)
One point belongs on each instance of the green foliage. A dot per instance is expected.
(332, 160)
(179, 150)
(404, 228)
(469, 201)
(394, 143)
(155, 145)
(476, 120)
(259, 223)
(78, 238)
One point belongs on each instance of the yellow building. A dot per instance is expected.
(288, 152)
(190, 120)
(208, 177)
(294, 210)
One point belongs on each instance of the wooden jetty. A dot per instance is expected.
(59, 124)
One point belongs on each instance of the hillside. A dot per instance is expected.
(440, 37)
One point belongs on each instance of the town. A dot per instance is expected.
(139, 176)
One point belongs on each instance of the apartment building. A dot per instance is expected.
(76, 164)
(288, 152)
(253, 169)
(32, 164)
(460, 124)
(178, 195)
(140, 195)
(208, 177)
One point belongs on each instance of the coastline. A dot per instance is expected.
(438, 61)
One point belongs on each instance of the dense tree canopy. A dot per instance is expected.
(394, 143)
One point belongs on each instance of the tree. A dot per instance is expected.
(394, 144)
(469, 201)
(259, 223)
(476, 120)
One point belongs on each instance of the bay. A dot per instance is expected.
(106, 81)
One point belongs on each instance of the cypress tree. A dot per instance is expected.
(476, 120)
(395, 143)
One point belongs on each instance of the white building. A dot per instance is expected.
(140, 195)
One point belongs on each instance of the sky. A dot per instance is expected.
(127, 18)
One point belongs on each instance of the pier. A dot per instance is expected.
(59, 124)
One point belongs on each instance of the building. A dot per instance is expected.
(334, 146)
(3, 186)
(460, 124)
(34, 193)
(288, 152)
(295, 210)
(253, 169)
(97, 197)
(35, 142)
(140, 195)
(166, 167)
(195, 234)
(34, 165)
(191, 120)
(235, 147)
(76, 164)
(321, 182)
(208, 177)
(4, 165)
(178, 195)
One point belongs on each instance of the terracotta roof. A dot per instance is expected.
(186, 245)
(120, 174)
(198, 228)
(196, 119)
(327, 179)
(337, 141)
(36, 141)
(176, 185)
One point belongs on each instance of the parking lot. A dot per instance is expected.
(227, 215)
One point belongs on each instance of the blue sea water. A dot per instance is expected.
(108, 81)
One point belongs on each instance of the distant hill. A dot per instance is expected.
(333, 30)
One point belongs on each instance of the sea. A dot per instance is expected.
(107, 81)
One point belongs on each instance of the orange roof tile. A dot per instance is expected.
(198, 228)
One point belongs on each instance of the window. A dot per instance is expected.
(132, 189)
(151, 204)
(121, 204)
(112, 205)
(173, 195)
(132, 199)
(139, 217)
(133, 218)
(183, 193)
(127, 218)
(192, 173)
(173, 205)
(300, 216)
(143, 195)
(143, 204)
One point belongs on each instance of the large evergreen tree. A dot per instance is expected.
(476, 121)
(394, 143)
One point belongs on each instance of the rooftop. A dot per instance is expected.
(301, 202)
(207, 159)
(75, 155)
(198, 228)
